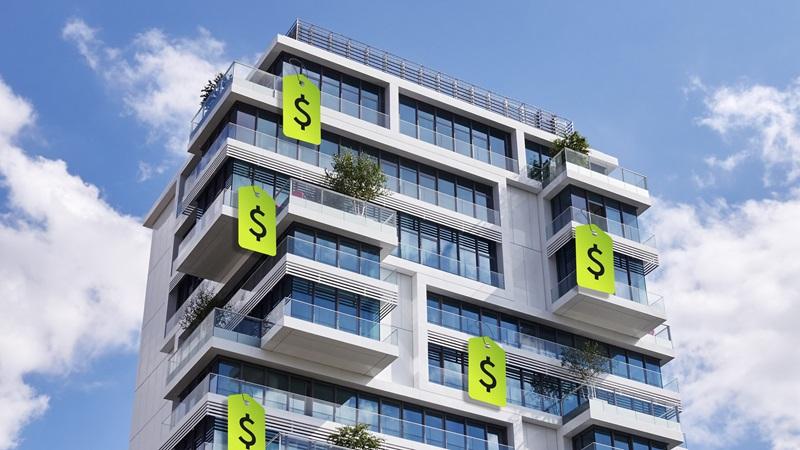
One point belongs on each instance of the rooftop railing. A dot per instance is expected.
(438, 81)
(622, 290)
(462, 268)
(459, 146)
(558, 164)
(274, 399)
(544, 347)
(573, 214)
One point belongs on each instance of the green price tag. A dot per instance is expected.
(487, 371)
(245, 423)
(301, 109)
(256, 220)
(594, 253)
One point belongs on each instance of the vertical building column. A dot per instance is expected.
(518, 146)
(392, 98)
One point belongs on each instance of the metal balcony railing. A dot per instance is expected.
(438, 81)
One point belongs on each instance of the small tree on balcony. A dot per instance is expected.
(198, 307)
(356, 437)
(585, 362)
(574, 141)
(210, 89)
(357, 176)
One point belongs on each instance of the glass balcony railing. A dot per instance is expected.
(447, 201)
(459, 146)
(235, 71)
(333, 203)
(615, 403)
(632, 293)
(227, 197)
(221, 323)
(461, 268)
(276, 399)
(178, 314)
(372, 329)
(337, 103)
(337, 258)
(527, 399)
(584, 217)
(353, 109)
(558, 164)
(543, 347)
(662, 336)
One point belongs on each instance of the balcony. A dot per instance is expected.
(330, 337)
(209, 250)
(630, 310)
(236, 73)
(527, 399)
(619, 412)
(569, 167)
(424, 76)
(278, 402)
(346, 216)
(583, 217)
(221, 323)
(512, 340)
(452, 144)
(450, 265)
(627, 240)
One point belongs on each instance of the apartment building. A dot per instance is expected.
(364, 313)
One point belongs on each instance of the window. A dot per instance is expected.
(453, 251)
(455, 133)
(538, 338)
(611, 215)
(614, 439)
(334, 250)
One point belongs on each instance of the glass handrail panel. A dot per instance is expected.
(451, 265)
(371, 329)
(581, 216)
(557, 164)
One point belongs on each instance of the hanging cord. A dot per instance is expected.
(295, 63)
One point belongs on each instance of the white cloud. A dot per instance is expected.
(767, 112)
(728, 163)
(73, 272)
(158, 77)
(730, 274)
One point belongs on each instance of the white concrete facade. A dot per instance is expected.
(395, 368)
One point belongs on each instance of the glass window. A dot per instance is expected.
(412, 425)
(480, 142)
(471, 320)
(390, 418)
(451, 314)
(444, 129)
(434, 311)
(463, 140)
(347, 317)
(408, 117)
(447, 187)
(368, 411)
(323, 401)
(348, 255)
(390, 167)
(455, 433)
(427, 183)
(408, 178)
(477, 436)
(347, 404)
(434, 431)
(326, 248)
(350, 95)
(325, 305)
(425, 119)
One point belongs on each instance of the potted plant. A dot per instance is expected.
(357, 176)
(356, 437)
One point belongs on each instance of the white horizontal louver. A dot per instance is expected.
(397, 202)
(517, 360)
(387, 297)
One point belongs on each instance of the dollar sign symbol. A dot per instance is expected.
(263, 232)
(493, 384)
(251, 441)
(307, 121)
(590, 253)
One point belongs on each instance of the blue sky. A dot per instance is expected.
(699, 96)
